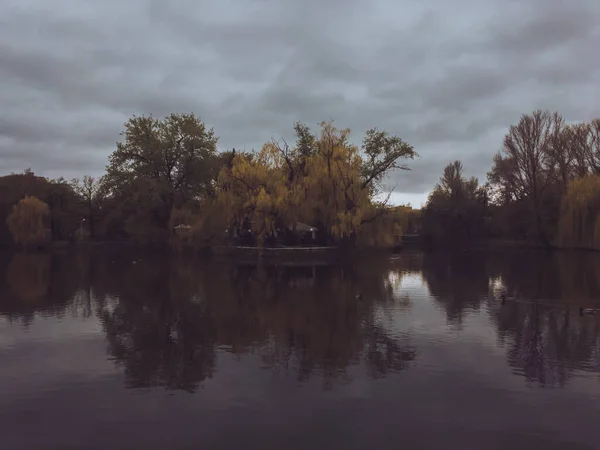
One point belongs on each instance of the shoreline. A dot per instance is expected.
(292, 252)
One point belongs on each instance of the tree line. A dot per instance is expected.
(167, 182)
(543, 187)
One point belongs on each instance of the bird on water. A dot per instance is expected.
(587, 311)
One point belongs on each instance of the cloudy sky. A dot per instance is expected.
(448, 77)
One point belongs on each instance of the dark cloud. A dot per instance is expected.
(448, 77)
(536, 27)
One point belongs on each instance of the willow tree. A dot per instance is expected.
(336, 196)
(322, 180)
(387, 230)
(27, 221)
(337, 187)
(252, 191)
(579, 224)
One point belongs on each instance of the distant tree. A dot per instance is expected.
(161, 164)
(253, 191)
(27, 221)
(65, 209)
(178, 153)
(336, 195)
(12, 189)
(387, 230)
(383, 153)
(579, 224)
(456, 208)
(88, 190)
(584, 140)
(524, 170)
(560, 152)
(323, 180)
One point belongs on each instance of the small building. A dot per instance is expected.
(305, 230)
(302, 234)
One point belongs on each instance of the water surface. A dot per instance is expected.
(121, 350)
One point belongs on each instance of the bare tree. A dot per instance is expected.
(88, 190)
(561, 155)
(584, 140)
(521, 169)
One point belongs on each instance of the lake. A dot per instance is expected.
(123, 350)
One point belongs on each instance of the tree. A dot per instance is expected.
(253, 192)
(456, 208)
(339, 199)
(65, 209)
(27, 221)
(560, 152)
(522, 171)
(579, 224)
(383, 153)
(322, 180)
(174, 158)
(12, 189)
(88, 190)
(584, 139)
(387, 230)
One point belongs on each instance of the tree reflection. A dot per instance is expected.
(166, 318)
(36, 283)
(546, 343)
(457, 281)
(156, 326)
(546, 338)
(28, 276)
(385, 354)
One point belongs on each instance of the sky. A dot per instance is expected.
(447, 77)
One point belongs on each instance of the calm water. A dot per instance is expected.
(128, 351)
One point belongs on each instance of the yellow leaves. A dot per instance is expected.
(253, 189)
(347, 223)
(386, 231)
(263, 200)
(26, 222)
(579, 222)
(270, 156)
(282, 186)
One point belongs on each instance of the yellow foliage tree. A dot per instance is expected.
(323, 181)
(27, 221)
(579, 224)
(335, 196)
(253, 191)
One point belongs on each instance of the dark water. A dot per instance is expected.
(99, 352)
